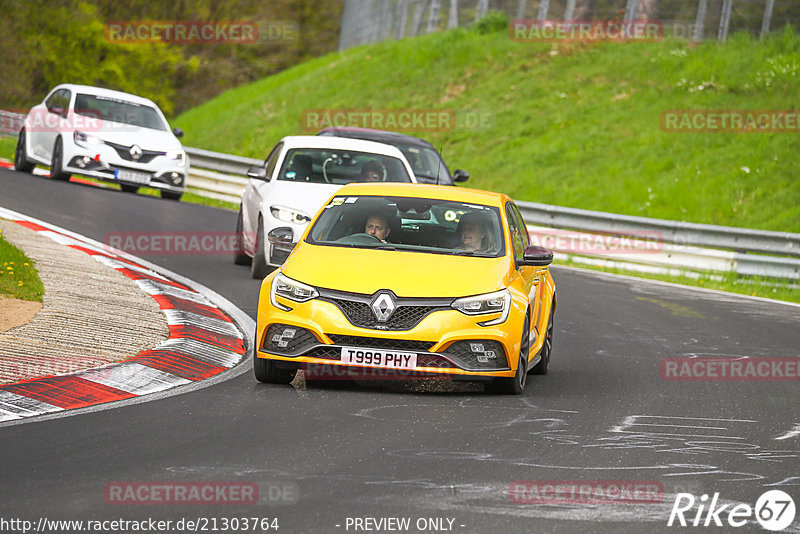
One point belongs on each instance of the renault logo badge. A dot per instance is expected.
(136, 152)
(383, 307)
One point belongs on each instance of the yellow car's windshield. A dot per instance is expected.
(412, 224)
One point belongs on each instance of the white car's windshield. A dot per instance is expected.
(324, 165)
(120, 111)
(413, 224)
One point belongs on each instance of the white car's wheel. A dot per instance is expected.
(239, 256)
(259, 267)
(57, 162)
(21, 162)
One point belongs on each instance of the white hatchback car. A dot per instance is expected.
(294, 182)
(105, 134)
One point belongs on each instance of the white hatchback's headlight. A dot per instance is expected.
(496, 302)
(86, 139)
(290, 289)
(178, 156)
(289, 215)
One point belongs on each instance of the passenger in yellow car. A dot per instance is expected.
(475, 233)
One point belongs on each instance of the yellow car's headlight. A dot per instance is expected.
(290, 289)
(496, 302)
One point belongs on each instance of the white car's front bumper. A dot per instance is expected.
(115, 164)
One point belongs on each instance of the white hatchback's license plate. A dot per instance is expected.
(132, 176)
(379, 358)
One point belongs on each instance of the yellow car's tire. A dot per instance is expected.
(268, 373)
(542, 367)
(516, 384)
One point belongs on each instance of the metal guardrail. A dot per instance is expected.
(217, 175)
(10, 122)
(691, 245)
(684, 245)
(681, 233)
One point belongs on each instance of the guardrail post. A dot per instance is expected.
(724, 20)
(700, 22)
(401, 25)
(630, 10)
(481, 9)
(521, 9)
(767, 18)
(569, 13)
(544, 6)
(433, 16)
(418, 10)
(452, 20)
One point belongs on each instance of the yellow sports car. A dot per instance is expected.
(397, 280)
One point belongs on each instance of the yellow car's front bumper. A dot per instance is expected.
(446, 341)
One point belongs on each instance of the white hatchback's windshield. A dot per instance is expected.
(119, 111)
(413, 224)
(324, 165)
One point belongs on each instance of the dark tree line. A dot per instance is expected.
(47, 42)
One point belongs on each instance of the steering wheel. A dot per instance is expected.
(359, 239)
(325, 172)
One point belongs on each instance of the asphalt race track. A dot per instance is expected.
(323, 456)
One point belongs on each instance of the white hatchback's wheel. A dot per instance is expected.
(239, 256)
(259, 267)
(21, 162)
(57, 162)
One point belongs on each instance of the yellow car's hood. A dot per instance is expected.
(407, 274)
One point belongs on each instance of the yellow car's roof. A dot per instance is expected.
(444, 192)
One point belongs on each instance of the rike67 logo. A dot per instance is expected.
(774, 510)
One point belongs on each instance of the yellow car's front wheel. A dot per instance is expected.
(516, 384)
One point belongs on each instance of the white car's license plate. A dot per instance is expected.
(132, 176)
(379, 358)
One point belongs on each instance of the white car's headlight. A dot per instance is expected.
(178, 156)
(290, 289)
(86, 139)
(289, 215)
(496, 302)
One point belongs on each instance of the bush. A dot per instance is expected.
(492, 22)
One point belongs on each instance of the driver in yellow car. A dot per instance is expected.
(378, 226)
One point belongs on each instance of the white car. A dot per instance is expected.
(103, 134)
(297, 178)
